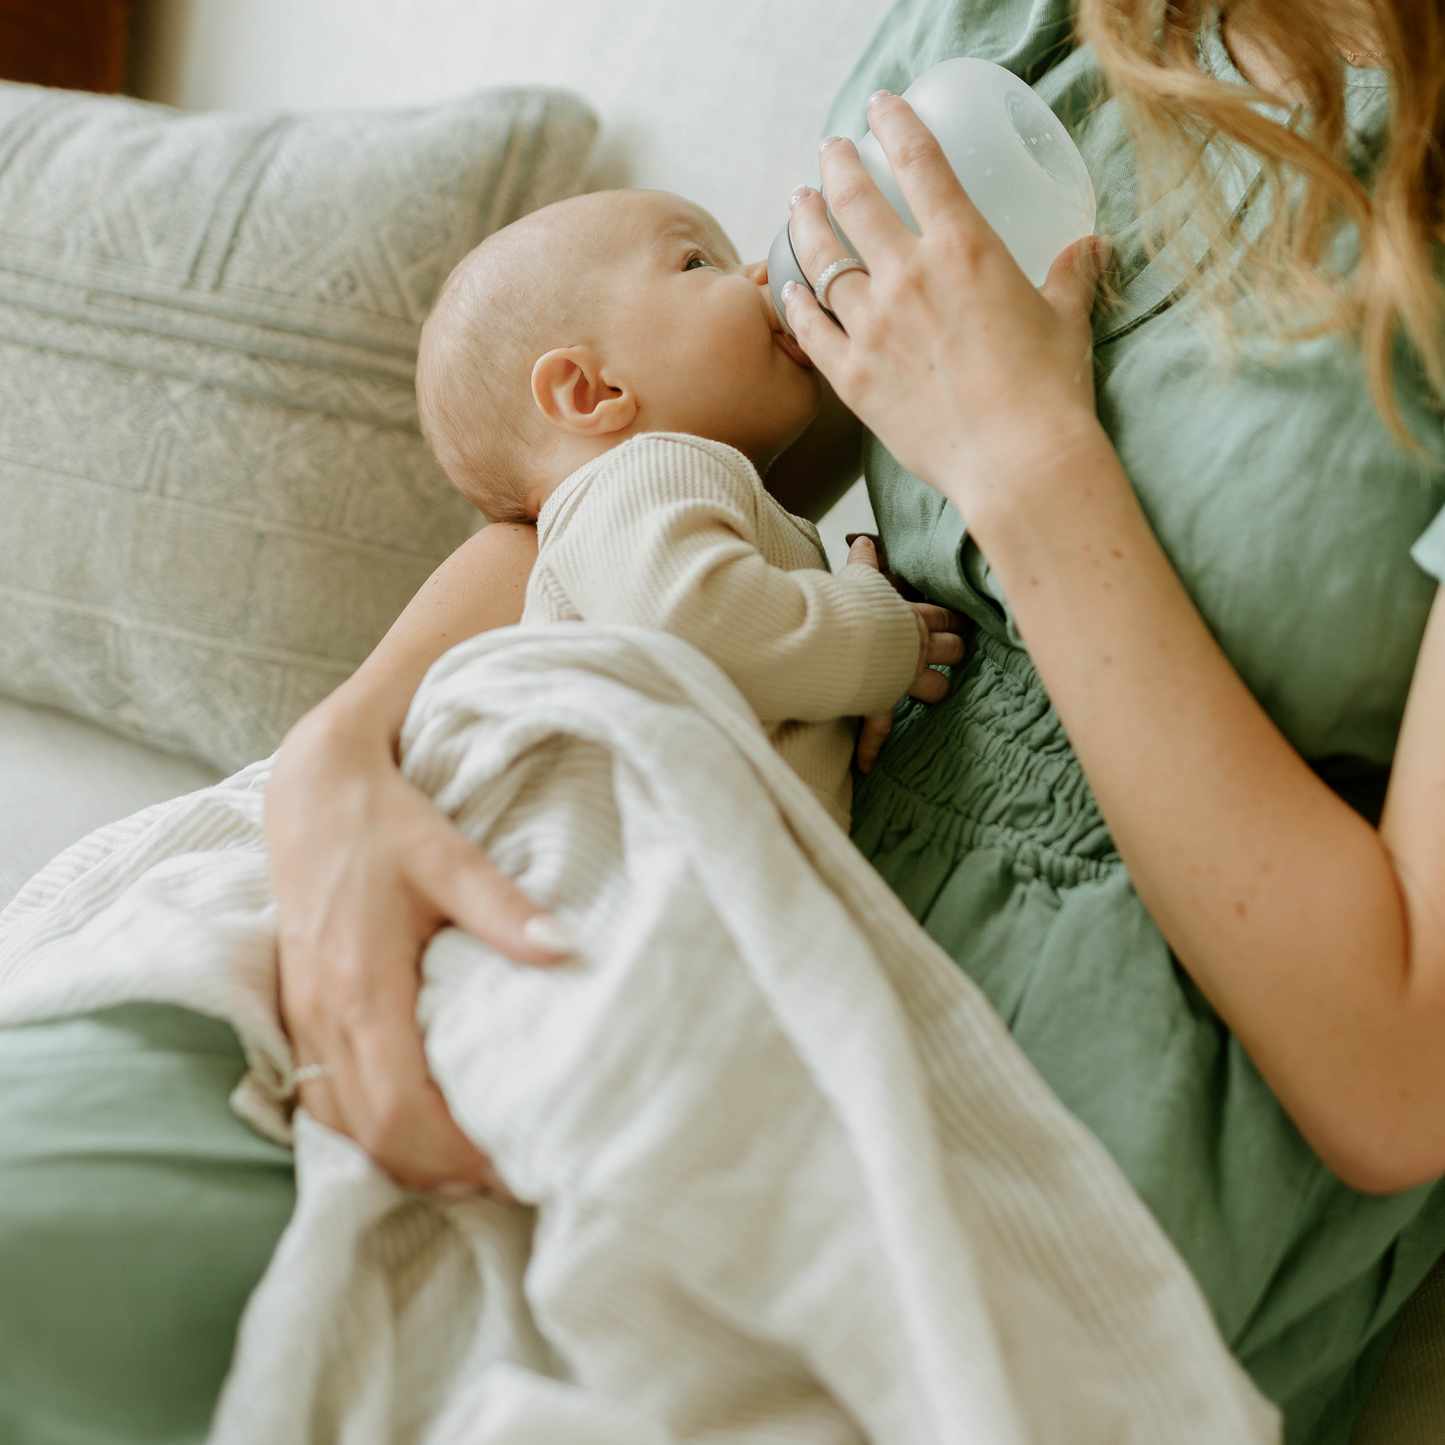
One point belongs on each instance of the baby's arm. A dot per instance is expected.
(672, 541)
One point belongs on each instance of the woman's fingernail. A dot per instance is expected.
(831, 140)
(544, 930)
(798, 196)
(789, 287)
(878, 95)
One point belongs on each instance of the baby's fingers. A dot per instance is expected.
(871, 737)
(942, 639)
(862, 550)
(943, 647)
(938, 619)
(929, 686)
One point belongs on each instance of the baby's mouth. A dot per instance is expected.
(796, 352)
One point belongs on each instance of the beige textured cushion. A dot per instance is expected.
(213, 494)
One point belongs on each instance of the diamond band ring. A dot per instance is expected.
(842, 264)
(308, 1073)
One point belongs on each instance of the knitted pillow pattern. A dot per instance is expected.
(214, 495)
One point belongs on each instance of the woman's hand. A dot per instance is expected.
(366, 870)
(939, 644)
(948, 354)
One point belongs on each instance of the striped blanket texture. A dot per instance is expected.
(786, 1177)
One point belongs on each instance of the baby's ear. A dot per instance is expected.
(571, 391)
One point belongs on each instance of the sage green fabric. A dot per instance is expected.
(1290, 514)
(135, 1212)
(136, 1215)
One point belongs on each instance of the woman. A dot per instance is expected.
(1225, 968)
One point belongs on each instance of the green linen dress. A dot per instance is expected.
(136, 1213)
(1289, 513)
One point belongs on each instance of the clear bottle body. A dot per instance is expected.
(1011, 153)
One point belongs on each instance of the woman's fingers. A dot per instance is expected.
(863, 213)
(398, 1114)
(376, 1087)
(934, 194)
(929, 686)
(818, 334)
(320, 1103)
(938, 619)
(464, 886)
(944, 649)
(944, 633)
(817, 246)
(943, 645)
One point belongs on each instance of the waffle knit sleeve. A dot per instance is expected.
(669, 534)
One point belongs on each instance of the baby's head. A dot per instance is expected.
(588, 322)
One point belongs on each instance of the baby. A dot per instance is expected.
(607, 368)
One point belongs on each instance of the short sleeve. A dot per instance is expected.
(1429, 551)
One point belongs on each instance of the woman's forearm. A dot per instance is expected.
(480, 586)
(1278, 898)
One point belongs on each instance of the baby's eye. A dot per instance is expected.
(695, 260)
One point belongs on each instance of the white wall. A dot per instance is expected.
(719, 100)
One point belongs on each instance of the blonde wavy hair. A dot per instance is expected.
(1149, 52)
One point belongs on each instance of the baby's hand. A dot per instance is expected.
(939, 641)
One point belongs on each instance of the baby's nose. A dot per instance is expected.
(757, 272)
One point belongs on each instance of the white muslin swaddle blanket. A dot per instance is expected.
(790, 1179)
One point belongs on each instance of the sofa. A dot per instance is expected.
(719, 102)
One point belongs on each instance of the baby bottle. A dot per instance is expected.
(1018, 164)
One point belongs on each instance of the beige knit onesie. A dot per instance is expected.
(676, 532)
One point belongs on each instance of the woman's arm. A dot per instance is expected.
(1320, 940)
(366, 870)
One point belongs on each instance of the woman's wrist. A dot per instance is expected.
(1016, 481)
(354, 725)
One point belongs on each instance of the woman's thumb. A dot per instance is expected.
(1074, 276)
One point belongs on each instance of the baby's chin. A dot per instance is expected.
(808, 408)
(794, 352)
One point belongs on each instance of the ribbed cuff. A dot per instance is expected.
(892, 658)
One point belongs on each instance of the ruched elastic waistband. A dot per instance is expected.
(988, 767)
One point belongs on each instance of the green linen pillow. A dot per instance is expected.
(214, 496)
